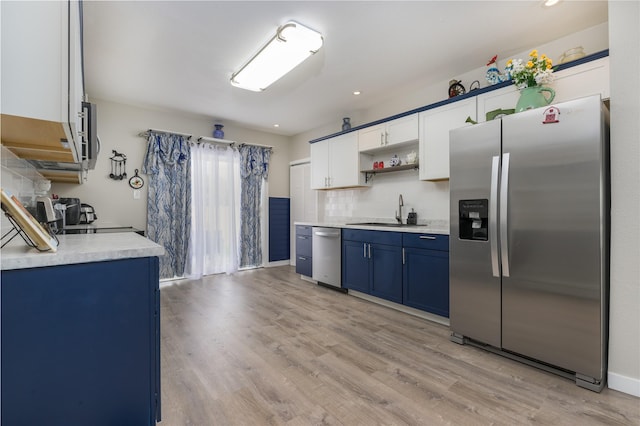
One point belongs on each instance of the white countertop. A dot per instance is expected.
(79, 248)
(438, 228)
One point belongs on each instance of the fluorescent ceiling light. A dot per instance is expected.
(292, 44)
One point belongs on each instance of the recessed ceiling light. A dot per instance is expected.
(357, 92)
(276, 125)
(549, 3)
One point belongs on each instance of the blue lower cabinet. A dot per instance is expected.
(426, 273)
(81, 344)
(406, 268)
(355, 266)
(304, 250)
(386, 272)
(372, 263)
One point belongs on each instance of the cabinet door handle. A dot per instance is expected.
(386, 138)
(403, 258)
(364, 249)
(302, 258)
(427, 237)
(302, 237)
(369, 250)
(381, 139)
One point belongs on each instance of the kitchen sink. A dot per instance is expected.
(393, 225)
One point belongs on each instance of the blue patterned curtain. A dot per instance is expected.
(168, 165)
(254, 168)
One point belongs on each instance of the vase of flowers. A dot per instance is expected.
(529, 77)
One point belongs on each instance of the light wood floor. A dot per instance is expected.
(263, 347)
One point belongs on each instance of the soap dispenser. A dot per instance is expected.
(412, 218)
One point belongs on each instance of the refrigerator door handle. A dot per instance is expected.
(504, 209)
(493, 216)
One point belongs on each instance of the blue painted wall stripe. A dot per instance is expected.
(279, 231)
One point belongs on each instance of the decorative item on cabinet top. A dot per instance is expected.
(494, 76)
(456, 88)
(346, 124)
(572, 55)
(529, 78)
(498, 113)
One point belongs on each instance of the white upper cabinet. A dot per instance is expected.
(435, 125)
(41, 72)
(394, 132)
(335, 163)
(583, 80)
(372, 137)
(319, 152)
(504, 98)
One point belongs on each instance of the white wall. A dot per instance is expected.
(430, 200)
(624, 330)
(119, 126)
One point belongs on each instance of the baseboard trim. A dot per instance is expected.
(308, 279)
(624, 384)
(277, 263)
(402, 308)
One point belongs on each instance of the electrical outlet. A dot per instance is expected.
(136, 194)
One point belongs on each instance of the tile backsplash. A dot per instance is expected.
(379, 202)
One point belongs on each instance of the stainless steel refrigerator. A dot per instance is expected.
(529, 238)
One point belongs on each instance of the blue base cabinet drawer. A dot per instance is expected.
(303, 265)
(426, 241)
(304, 250)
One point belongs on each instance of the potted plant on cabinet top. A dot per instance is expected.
(529, 77)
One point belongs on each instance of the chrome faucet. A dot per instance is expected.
(399, 212)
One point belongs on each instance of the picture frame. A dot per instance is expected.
(40, 237)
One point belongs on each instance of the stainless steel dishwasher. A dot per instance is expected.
(327, 253)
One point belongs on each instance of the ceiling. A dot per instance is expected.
(179, 55)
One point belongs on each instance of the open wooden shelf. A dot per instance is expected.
(368, 174)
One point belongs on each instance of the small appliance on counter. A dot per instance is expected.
(72, 210)
(87, 214)
(45, 213)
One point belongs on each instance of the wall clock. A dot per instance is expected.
(136, 182)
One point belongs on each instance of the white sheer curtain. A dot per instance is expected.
(215, 217)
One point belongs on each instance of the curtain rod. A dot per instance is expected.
(230, 143)
(256, 144)
(202, 138)
(215, 140)
(145, 134)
